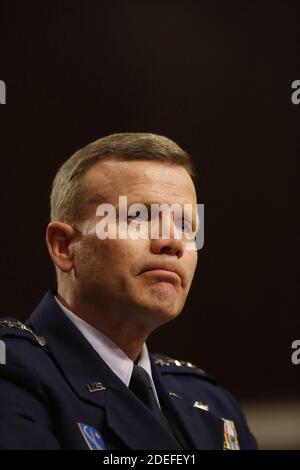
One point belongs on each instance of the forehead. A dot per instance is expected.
(138, 179)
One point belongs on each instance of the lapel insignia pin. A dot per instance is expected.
(201, 405)
(173, 394)
(92, 437)
(230, 436)
(95, 387)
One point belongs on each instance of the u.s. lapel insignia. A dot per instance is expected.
(92, 437)
(230, 436)
(95, 387)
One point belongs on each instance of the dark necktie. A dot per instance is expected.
(140, 384)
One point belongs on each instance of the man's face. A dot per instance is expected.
(135, 276)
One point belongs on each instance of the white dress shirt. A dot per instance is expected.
(111, 354)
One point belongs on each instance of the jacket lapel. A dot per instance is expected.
(202, 429)
(73, 355)
(125, 415)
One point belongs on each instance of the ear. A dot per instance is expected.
(59, 238)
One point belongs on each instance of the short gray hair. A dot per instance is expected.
(67, 190)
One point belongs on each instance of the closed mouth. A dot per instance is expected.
(164, 275)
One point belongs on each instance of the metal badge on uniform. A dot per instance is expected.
(201, 405)
(95, 387)
(230, 436)
(92, 437)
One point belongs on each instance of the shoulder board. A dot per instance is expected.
(165, 361)
(13, 325)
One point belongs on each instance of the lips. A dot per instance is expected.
(165, 272)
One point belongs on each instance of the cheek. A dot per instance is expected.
(90, 256)
(110, 259)
(112, 254)
(96, 264)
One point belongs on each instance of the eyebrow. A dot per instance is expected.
(148, 204)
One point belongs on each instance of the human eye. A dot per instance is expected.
(138, 215)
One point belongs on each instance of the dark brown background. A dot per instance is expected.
(215, 77)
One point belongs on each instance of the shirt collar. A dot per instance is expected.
(112, 355)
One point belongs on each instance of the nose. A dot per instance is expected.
(171, 245)
(167, 246)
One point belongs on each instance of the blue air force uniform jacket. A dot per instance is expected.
(57, 393)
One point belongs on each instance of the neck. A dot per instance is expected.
(127, 335)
